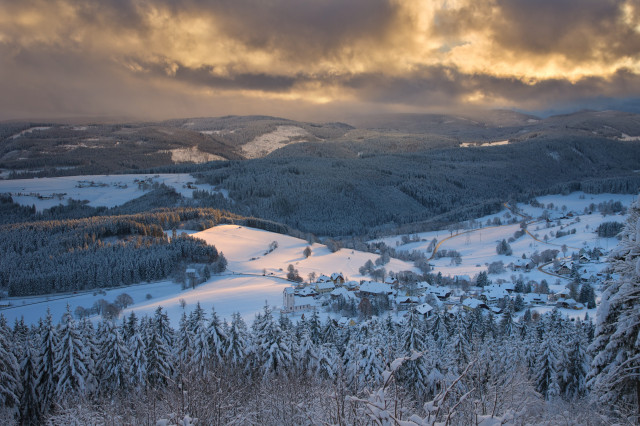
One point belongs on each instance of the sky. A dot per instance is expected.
(311, 59)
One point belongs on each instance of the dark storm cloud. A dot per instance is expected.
(576, 29)
(205, 76)
(448, 86)
(299, 27)
(584, 29)
(169, 56)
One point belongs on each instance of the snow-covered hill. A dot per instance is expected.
(242, 288)
(98, 190)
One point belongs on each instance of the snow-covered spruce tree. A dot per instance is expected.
(440, 327)
(216, 338)
(201, 346)
(368, 363)
(271, 348)
(30, 412)
(47, 379)
(413, 373)
(89, 339)
(20, 336)
(330, 332)
(615, 369)
(113, 359)
(158, 352)
(130, 327)
(306, 356)
(578, 365)
(138, 362)
(236, 345)
(314, 327)
(184, 348)
(327, 364)
(70, 365)
(9, 369)
(507, 325)
(434, 366)
(459, 347)
(546, 366)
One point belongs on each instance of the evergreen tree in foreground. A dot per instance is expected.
(615, 374)
(9, 370)
(237, 343)
(46, 381)
(70, 367)
(30, 410)
(113, 360)
(158, 350)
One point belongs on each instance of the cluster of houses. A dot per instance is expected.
(422, 296)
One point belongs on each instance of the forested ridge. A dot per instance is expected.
(404, 170)
(347, 196)
(70, 255)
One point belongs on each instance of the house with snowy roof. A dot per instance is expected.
(493, 294)
(441, 293)
(564, 268)
(391, 281)
(471, 304)
(372, 288)
(424, 309)
(346, 322)
(337, 278)
(523, 265)
(462, 278)
(535, 299)
(504, 287)
(352, 285)
(342, 292)
(307, 292)
(323, 279)
(569, 304)
(405, 302)
(325, 287)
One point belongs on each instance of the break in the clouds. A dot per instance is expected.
(200, 57)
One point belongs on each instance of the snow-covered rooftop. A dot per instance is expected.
(375, 287)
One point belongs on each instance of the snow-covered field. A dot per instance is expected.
(244, 288)
(193, 155)
(269, 142)
(245, 250)
(99, 190)
(479, 144)
(29, 130)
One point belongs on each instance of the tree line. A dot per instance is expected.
(220, 371)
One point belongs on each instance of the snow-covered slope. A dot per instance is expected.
(269, 142)
(99, 190)
(245, 250)
(242, 288)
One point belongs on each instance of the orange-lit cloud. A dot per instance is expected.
(198, 57)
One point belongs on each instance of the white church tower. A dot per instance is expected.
(288, 299)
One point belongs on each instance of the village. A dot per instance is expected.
(577, 278)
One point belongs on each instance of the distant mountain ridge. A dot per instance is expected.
(336, 179)
(54, 148)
